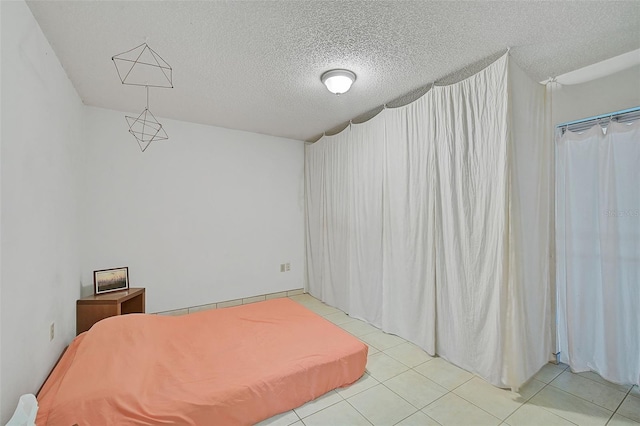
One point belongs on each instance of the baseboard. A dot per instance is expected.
(234, 302)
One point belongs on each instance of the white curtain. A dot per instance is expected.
(327, 200)
(409, 303)
(366, 149)
(442, 240)
(530, 292)
(598, 246)
(471, 218)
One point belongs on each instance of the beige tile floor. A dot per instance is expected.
(405, 386)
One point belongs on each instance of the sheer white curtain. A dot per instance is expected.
(419, 222)
(598, 246)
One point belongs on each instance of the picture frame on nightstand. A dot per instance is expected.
(109, 280)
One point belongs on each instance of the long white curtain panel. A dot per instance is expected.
(472, 208)
(598, 246)
(431, 221)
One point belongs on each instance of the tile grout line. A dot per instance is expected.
(322, 409)
(624, 417)
(478, 407)
(241, 300)
(408, 366)
(584, 399)
(511, 413)
(401, 397)
(391, 390)
(299, 418)
(603, 384)
(610, 388)
(575, 396)
(434, 401)
(358, 411)
(540, 406)
(383, 351)
(619, 405)
(413, 414)
(567, 368)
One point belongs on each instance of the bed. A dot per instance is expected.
(232, 366)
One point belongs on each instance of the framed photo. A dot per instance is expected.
(107, 280)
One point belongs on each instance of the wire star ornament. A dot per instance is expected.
(146, 129)
(142, 66)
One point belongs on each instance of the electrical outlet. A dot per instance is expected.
(52, 331)
(287, 267)
(282, 267)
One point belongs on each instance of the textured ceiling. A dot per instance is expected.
(256, 65)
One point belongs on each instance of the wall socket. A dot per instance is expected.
(285, 267)
(52, 331)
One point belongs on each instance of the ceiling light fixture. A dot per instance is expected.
(338, 81)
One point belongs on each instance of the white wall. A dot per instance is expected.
(600, 96)
(40, 155)
(1, 416)
(206, 216)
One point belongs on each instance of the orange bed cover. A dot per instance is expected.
(228, 366)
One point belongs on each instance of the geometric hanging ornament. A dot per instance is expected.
(146, 129)
(142, 66)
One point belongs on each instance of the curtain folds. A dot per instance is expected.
(471, 219)
(598, 245)
(366, 150)
(431, 221)
(529, 325)
(327, 207)
(409, 303)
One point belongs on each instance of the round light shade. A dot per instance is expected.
(338, 81)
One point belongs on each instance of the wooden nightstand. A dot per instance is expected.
(91, 309)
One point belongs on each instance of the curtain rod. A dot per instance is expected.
(611, 115)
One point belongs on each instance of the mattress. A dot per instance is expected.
(231, 366)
